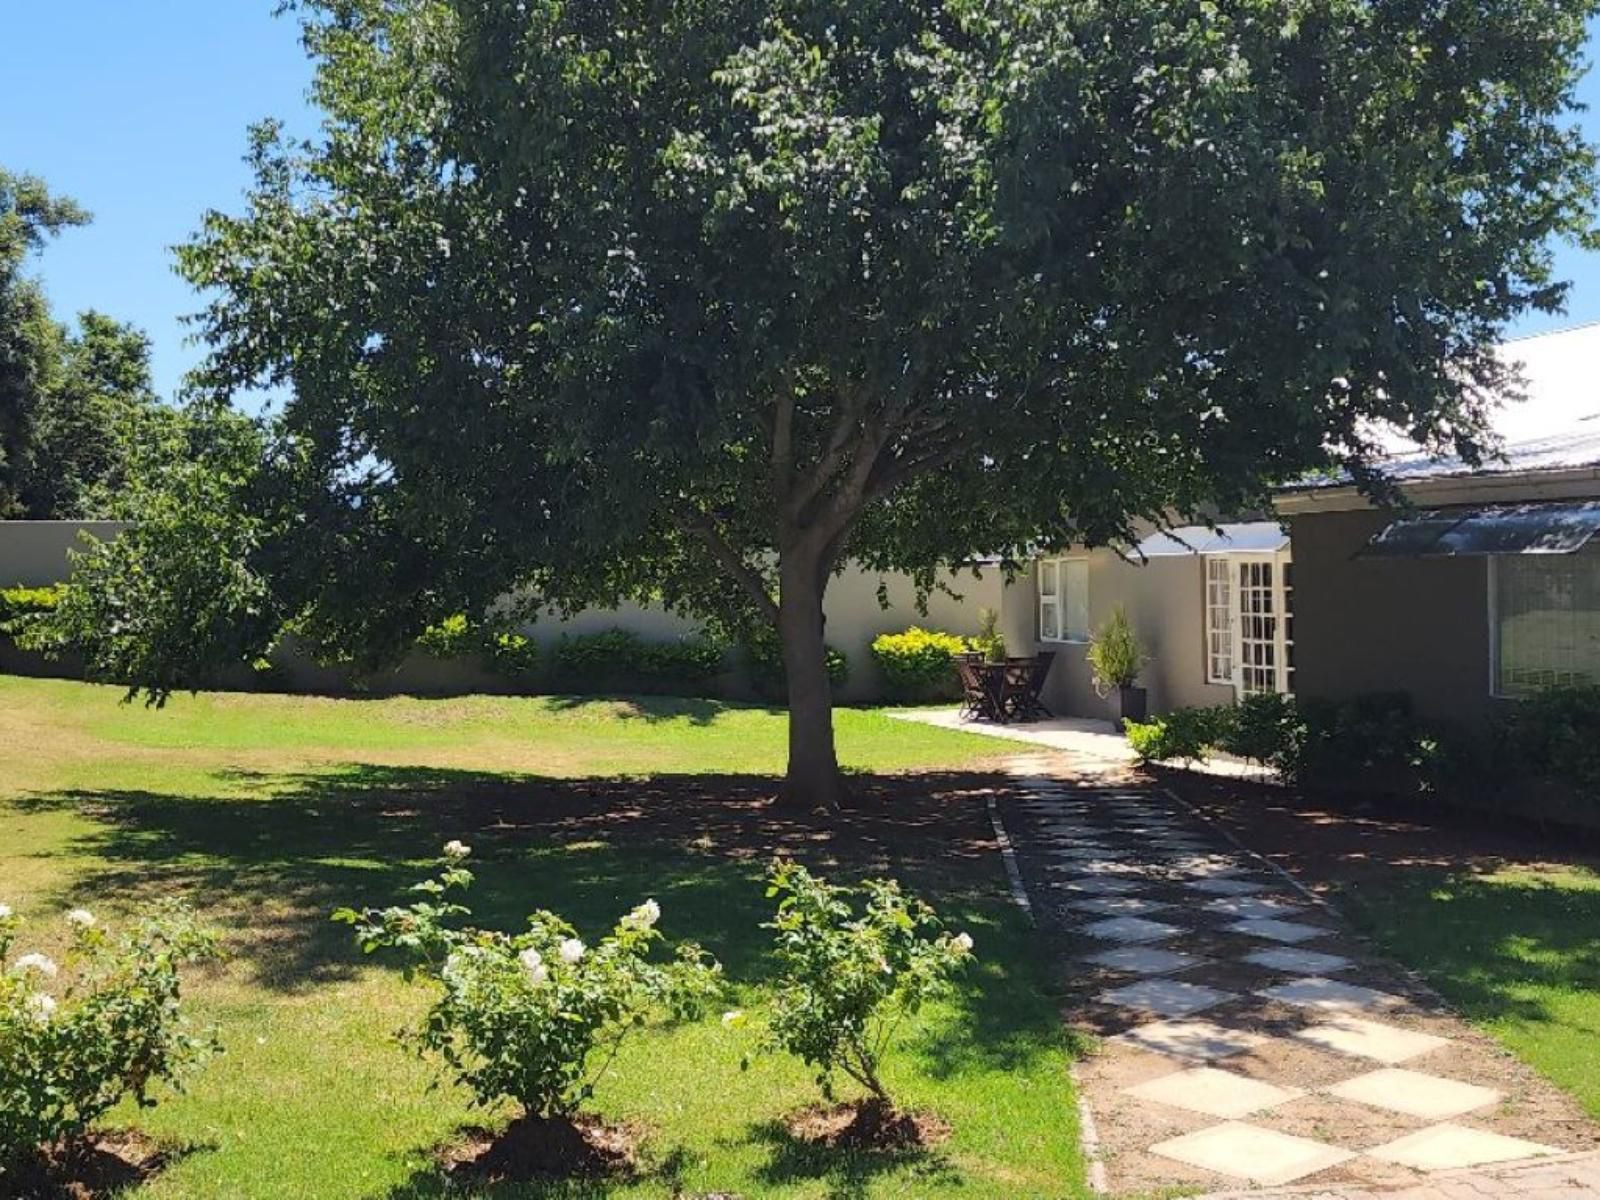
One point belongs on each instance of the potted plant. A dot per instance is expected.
(990, 642)
(1115, 659)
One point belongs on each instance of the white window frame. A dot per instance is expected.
(1220, 619)
(1282, 611)
(1057, 598)
(1493, 580)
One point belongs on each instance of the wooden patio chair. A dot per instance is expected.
(1024, 681)
(975, 699)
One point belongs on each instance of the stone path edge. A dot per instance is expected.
(1088, 1139)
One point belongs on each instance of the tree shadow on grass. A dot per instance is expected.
(277, 853)
(846, 1174)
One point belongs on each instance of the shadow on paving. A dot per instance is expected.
(1436, 886)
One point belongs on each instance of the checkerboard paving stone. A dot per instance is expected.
(1131, 929)
(1329, 994)
(1448, 1146)
(1215, 1092)
(1227, 887)
(1100, 884)
(1166, 997)
(1292, 958)
(1415, 1094)
(1371, 1039)
(1256, 907)
(1144, 960)
(1241, 1151)
(1200, 1041)
(1245, 1040)
(1118, 906)
(1276, 930)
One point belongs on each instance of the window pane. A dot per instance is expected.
(1075, 598)
(1049, 621)
(1549, 621)
(1219, 620)
(1047, 580)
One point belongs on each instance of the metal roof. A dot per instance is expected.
(1256, 536)
(1495, 529)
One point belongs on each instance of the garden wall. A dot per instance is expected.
(34, 553)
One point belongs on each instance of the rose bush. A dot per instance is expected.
(848, 979)
(536, 1017)
(106, 1023)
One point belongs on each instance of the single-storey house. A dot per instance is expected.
(1488, 588)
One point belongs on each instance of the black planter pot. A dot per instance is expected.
(1128, 704)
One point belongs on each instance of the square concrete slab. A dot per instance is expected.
(1447, 1147)
(1197, 1040)
(1261, 1156)
(1144, 960)
(1415, 1094)
(1227, 887)
(1306, 962)
(1258, 907)
(1118, 906)
(1166, 997)
(1084, 850)
(1131, 929)
(1328, 994)
(1101, 885)
(1212, 866)
(1278, 931)
(1213, 1092)
(1369, 1039)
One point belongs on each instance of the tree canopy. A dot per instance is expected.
(77, 409)
(694, 301)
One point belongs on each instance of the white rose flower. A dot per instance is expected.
(82, 918)
(5, 911)
(733, 1016)
(456, 849)
(41, 1007)
(539, 974)
(962, 942)
(531, 960)
(572, 950)
(643, 917)
(36, 962)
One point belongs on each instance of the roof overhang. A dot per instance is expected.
(1575, 483)
(1250, 537)
(1543, 528)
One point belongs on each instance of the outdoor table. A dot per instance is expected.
(1004, 691)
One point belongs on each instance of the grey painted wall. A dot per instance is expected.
(34, 553)
(1416, 625)
(1164, 599)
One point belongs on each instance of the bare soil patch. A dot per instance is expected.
(101, 1165)
(544, 1147)
(867, 1125)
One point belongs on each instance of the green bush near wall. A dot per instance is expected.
(617, 660)
(17, 604)
(918, 665)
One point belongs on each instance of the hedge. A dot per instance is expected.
(918, 665)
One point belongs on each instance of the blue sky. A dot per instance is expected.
(139, 110)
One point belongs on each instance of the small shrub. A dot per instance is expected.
(535, 1017)
(1555, 733)
(513, 654)
(1265, 727)
(1183, 735)
(919, 664)
(763, 656)
(848, 979)
(502, 651)
(454, 637)
(107, 1024)
(1115, 657)
(19, 606)
(990, 642)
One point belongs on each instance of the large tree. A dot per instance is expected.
(695, 299)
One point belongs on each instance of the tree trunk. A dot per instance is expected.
(813, 780)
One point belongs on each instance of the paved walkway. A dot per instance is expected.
(1247, 1039)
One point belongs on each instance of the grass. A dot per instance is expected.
(1516, 949)
(270, 811)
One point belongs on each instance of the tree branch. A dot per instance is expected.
(699, 525)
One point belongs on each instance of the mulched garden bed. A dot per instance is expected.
(866, 1125)
(534, 1147)
(103, 1165)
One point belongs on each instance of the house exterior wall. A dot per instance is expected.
(1414, 625)
(34, 553)
(1165, 600)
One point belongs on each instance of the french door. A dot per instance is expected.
(1249, 622)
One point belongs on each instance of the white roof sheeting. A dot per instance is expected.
(1251, 536)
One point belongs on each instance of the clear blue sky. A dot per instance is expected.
(138, 110)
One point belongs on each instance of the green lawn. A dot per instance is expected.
(1517, 950)
(271, 811)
